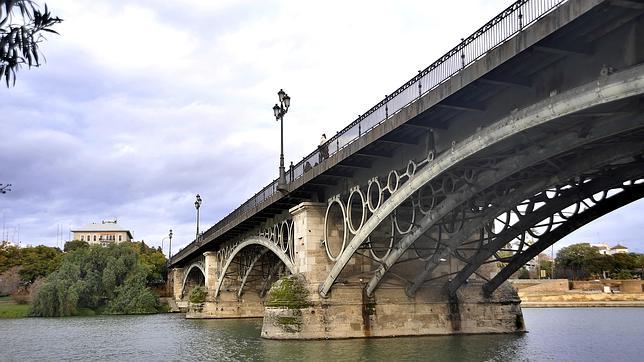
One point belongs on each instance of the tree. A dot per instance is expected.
(110, 278)
(74, 244)
(546, 267)
(524, 273)
(38, 261)
(22, 28)
(152, 259)
(578, 258)
(132, 297)
(9, 256)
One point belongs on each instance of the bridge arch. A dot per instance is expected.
(263, 245)
(630, 193)
(539, 200)
(496, 136)
(193, 271)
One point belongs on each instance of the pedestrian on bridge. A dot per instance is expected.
(323, 148)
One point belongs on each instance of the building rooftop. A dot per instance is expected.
(103, 226)
(618, 247)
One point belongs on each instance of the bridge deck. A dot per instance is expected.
(506, 52)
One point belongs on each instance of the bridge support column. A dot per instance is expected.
(229, 303)
(177, 282)
(310, 257)
(176, 275)
(295, 309)
(211, 264)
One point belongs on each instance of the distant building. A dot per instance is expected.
(618, 249)
(107, 232)
(604, 249)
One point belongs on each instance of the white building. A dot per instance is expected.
(105, 233)
(604, 249)
(618, 249)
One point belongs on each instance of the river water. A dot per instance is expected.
(567, 334)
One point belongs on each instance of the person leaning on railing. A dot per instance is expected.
(323, 148)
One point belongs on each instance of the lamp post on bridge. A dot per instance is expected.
(170, 247)
(197, 206)
(279, 111)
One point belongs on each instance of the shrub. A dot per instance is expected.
(289, 292)
(198, 295)
(20, 298)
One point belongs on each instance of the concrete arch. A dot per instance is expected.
(198, 266)
(256, 240)
(615, 87)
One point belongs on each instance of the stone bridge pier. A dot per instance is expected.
(223, 299)
(347, 312)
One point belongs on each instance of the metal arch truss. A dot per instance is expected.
(438, 186)
(199, 265)
(587, 209)
(436, 238)
(487, 212)
(506, 231)
(252, 253)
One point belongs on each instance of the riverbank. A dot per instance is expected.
(561, 293)
(11, 309)
(595, 304)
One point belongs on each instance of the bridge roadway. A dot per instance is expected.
(525, 131)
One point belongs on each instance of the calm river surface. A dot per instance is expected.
(602, 334)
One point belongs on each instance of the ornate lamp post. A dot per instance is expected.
(197, 206)
(170, 247)
(279, 111)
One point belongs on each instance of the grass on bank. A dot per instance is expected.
(10, 309)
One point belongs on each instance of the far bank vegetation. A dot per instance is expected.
(85, 280)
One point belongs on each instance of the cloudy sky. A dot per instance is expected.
(144, 104)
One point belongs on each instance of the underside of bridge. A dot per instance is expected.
(414, 227)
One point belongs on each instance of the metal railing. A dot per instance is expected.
(495, 32)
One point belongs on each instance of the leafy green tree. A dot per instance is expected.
(74, 244)
(624, 261)
(598, 264)
(38, 261)
(22, 29)
(623, 274)
(524, 273)
(132, 297)
(59, 296)
(578, 258)
(97, 277)
(152, 259)
(9, 256)
(546, 266)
